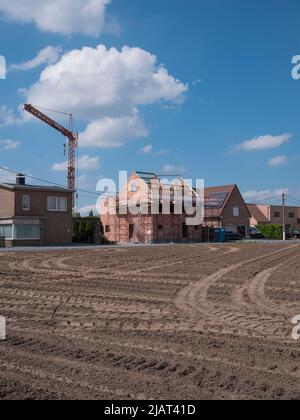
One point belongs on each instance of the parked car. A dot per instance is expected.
(233, 236)
(295, 234)
(256, 234)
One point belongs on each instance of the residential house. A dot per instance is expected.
(32, 215)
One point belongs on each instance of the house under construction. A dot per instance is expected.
(133, 220)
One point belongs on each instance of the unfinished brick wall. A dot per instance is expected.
(152, 229)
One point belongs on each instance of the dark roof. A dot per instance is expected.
(217, 197)
(222, 188)
(34, 187)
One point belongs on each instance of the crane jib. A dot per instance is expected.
(72, 140)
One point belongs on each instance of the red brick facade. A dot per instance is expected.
(267, 214)
(232, 214)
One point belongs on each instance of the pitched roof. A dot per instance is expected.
(257, 214)
(217, 197)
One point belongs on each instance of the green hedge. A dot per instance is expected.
(271, 231)
(84, 229)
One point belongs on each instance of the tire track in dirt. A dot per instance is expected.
(75, 327)
(181, 354)
(193, 301)
(144, 364)
(256, 293)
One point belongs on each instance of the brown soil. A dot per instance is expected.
(178, 322)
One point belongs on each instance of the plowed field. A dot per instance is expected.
(170, 322)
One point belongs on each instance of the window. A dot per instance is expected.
(291, 215)
(160, 227)
(107, 229)
(23, 231)
(57, 204)
(6, 231)
(133, 188)
(236, 211)
(131, 231)
(276, 214)
(26, 202)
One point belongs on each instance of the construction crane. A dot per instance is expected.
(72, 144)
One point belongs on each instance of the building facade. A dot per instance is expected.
(140, 225)
(224, 207)
(267, 214)
(35, 215)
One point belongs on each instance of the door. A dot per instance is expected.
(242, 231)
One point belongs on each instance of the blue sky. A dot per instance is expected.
(227, 111)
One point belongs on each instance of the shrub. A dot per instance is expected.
(271, 231)
(85, 229)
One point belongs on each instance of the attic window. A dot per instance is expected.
(133, 188)
(236, 211)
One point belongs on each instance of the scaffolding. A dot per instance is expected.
(129, 216)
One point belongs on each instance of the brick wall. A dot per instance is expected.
(152, 228)
(236, 200)
(57, 228)
(7, 203)
(274, 215)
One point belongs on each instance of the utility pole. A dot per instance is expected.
(283, 217)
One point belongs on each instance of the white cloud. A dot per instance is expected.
(106, 88)
(278, 161)
(112, 132)
(85, 211)
(264, 142)
(9, 144)
(8, 117)
(85, 163)
(60, 167)
(162, 152)
(254, 196)
(112, 26)
(147, 150)
(99, 82)
(48, 55)
(197, 82)
(59, 16)
(174, 170)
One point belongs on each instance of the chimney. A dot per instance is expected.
(21, 179)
